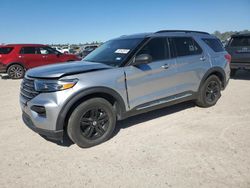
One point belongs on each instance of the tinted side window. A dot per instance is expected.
(5, 50)
(240, 41)
(186, 46)
(157, 48)
(46, 50)
(215, 44)
(28, 50)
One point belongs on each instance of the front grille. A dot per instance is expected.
(28, 91)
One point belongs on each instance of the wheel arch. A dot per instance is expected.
(16, 63)
(103, 92)
(219, 72)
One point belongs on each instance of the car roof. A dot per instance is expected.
(137, 35)
(167, 33)
(24, 45)
(241, 35)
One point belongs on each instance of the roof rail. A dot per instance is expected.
(182, 31)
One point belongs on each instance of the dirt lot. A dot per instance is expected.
(180, 146)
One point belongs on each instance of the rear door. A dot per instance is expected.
(239, 48)
(32, 57)
(192, 63)
(150, 84)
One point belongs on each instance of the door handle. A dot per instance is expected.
(165, 66)
(203, 58)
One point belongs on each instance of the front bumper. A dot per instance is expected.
(3, 68)
(43, 122)
(55, 135)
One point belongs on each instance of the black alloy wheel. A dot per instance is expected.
(94, 123)
(212, 91)
(209, 92)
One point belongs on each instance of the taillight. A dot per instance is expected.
(228, 57)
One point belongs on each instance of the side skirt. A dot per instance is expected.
(161, 103)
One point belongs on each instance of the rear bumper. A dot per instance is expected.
(54, 135)
(3, 68)
(234, 65)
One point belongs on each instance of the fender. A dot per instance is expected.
(217, 71)
(120, 107)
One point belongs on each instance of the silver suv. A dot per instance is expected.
(123, 77)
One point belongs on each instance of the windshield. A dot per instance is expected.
(113, 52)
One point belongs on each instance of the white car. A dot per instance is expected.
(66, 49)
(58, 49)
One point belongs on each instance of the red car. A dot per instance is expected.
(15, 59)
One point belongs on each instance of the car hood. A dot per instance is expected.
(64, 69)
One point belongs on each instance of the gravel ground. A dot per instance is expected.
(179, 146)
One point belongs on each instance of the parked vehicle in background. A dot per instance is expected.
(66, 49)
(123, 77)
(224, 43)
(59, 49)
(239, 48)
(15, 59)
(87, 49)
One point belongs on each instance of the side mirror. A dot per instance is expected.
(142, 59)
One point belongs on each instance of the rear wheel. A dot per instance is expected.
(16, 71)
(210, 92)
(92, 122)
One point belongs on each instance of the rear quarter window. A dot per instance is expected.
(5, 50)
(214, 44)
(240, 41)
(186, 46)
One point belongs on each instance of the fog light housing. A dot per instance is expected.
(40, 110)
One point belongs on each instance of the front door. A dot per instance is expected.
(52, 55)
(152, 82)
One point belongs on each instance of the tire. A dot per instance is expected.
(91, 123)
(233, 72)
(210, 92)
(16, 71)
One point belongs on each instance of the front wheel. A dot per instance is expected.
(92, 122)
(210, 92)
(16, 71)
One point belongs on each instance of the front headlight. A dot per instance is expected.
(54, 85)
